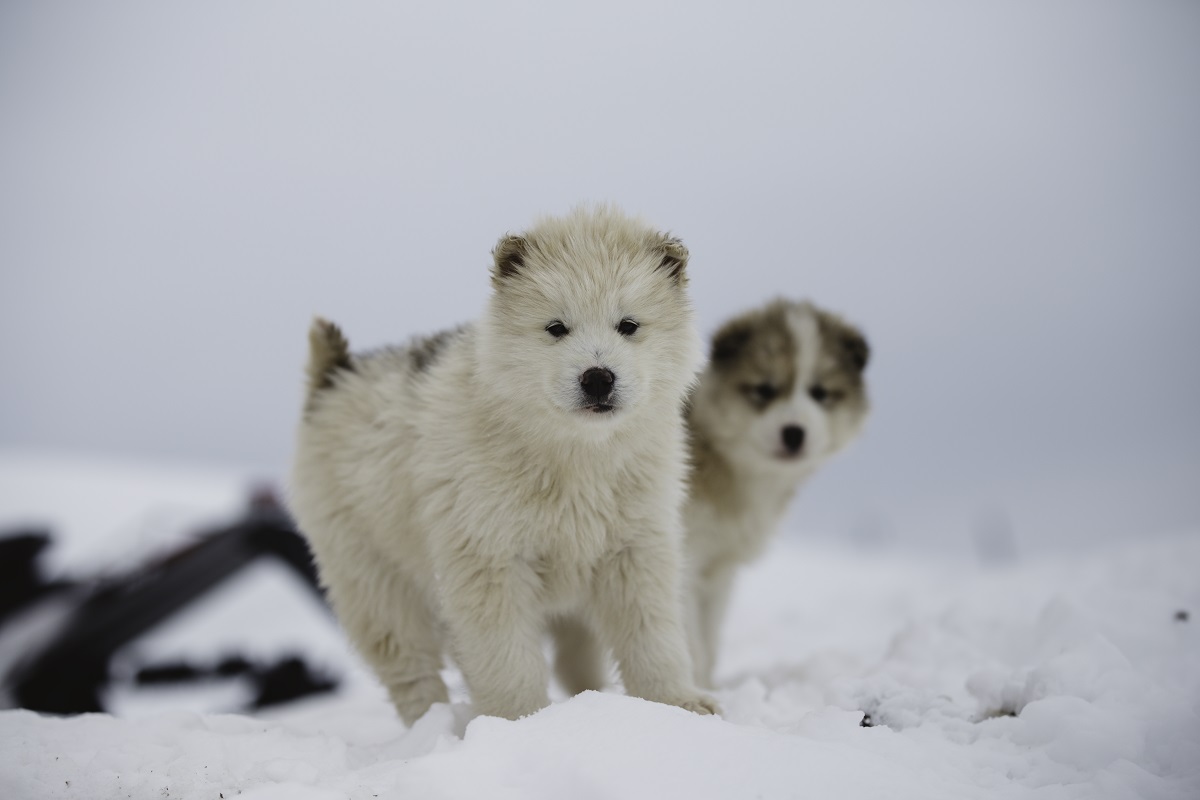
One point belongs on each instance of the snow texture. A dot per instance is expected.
(1058, 678)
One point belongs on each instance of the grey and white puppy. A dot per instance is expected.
(784, 390)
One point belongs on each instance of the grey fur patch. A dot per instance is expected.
(424, 352)
(729, 342)
(757, 349)
(419, 355)
(847, 343)
(844, 357)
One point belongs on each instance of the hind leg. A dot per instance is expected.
(392, 627)
(579, 660)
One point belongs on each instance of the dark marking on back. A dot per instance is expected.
(424, 352)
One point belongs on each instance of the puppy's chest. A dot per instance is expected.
(750, 530)
(575, 532)
(568, 539)
(734, 533)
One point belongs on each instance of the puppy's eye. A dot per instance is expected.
(765, 392)
(627, 327)
(557, 329)
(818, 393)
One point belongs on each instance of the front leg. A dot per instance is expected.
(637, 611)
(710, 599)
(495, 624)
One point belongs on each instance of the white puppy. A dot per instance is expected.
(783, 391)
(468, 492)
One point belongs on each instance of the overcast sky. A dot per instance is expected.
(1005, 196)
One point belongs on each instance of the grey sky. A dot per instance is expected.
(1006, 196)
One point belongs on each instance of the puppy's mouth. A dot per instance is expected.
(599, 408)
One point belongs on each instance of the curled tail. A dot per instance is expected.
(328, 351)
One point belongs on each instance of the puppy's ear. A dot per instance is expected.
(673, 256)
(844, 341)
(729, 343)
(855, 349)
(509, 256)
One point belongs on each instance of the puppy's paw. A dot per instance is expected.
(413, 699)
(700, 704)
(694, 701)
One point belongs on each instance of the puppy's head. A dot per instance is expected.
(784, 387)
(589, 319)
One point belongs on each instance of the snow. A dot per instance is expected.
(1060, 677)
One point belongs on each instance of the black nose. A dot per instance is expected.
(597, 382)
(793, 438)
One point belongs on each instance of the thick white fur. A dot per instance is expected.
(466, 506)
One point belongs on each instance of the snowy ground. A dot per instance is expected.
(1061, 677)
